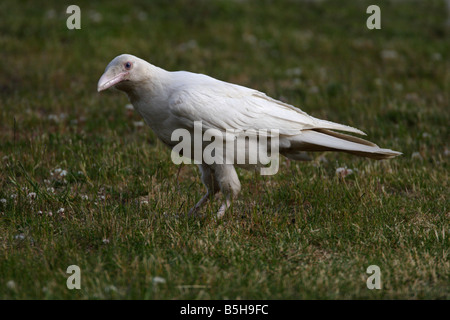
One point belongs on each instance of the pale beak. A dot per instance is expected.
(107, 80)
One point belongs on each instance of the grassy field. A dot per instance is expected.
(83, 182)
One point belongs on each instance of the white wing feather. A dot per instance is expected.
(221, 105)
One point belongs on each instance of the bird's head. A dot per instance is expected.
(123, 73)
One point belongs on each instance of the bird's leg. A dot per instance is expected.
(223, 207)
(200, 203)
(230, 186)
(212, 187)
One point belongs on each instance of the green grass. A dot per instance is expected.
(302, 234)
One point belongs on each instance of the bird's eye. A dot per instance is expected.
(128, 65)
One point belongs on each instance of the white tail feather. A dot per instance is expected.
(326, 140)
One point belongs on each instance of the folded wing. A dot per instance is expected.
(225, 106)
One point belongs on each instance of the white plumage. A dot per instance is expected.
(172, 100)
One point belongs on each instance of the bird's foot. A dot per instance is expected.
(193, 212)
(225, 205)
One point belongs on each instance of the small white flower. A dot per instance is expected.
(3, 201)
(39, 212)
(296, 81)
(11, 284)
(250, 38)
(142, 16)
(63, 173)
(84, 197)
(105, 241)
(13, 196)
(110, 288)
(102, 197)
(19, 236)
(446, 152)
(50, 14)
(436, 56)
(50, 213)
(61, 210)
(95, 16)
(32, 195)
(157, 280)
(416, 155)
(294, 72)
(129, 106)
(389, 55)
(51, 190)
(398, 86)
(412, 96)
(53, 117)
(138, 123)
(187, 46)
(343, 172)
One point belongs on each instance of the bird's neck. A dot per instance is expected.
(154, 85)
